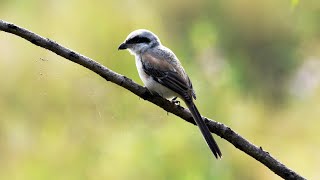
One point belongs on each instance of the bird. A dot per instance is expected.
(162, 73)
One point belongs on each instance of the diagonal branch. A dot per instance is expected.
(220, 129)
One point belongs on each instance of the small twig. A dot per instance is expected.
(220, 129)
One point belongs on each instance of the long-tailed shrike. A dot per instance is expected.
(162, 73)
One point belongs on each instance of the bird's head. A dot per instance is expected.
(139, 41)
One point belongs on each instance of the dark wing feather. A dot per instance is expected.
(166, 74)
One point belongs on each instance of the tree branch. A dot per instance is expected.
(220, 129)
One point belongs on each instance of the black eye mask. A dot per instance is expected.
(138, 39)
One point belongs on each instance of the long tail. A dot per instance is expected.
(204, 130)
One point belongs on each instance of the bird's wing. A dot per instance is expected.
(167, 74)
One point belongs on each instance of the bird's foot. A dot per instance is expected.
(175, 101)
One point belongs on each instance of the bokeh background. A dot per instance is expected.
(255, 66)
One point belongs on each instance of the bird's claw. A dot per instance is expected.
(175, 101)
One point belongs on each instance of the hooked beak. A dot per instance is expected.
(122, 46)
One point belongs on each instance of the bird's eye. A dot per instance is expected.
(138, 39)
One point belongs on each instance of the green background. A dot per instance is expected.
(255, 66)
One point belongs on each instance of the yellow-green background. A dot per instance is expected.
(255, 66)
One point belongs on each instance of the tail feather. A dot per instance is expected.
(204, 130)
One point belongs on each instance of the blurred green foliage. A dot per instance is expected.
(254, 65)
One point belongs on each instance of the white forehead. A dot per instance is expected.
(143, 33)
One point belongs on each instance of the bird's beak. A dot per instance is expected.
(122, 46)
